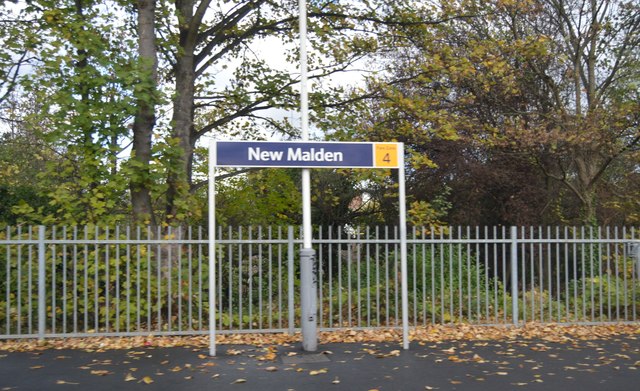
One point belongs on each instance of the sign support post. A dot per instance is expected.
(308, 282)
(212, 250)
(306, 155)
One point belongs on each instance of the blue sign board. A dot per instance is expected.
(304, 154)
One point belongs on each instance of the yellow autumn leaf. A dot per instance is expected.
(129, 377)
(147, 380)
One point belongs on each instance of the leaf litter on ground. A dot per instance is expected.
(421, 335)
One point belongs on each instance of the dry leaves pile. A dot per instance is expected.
(544, 332)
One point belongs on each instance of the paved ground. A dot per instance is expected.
(472, 365)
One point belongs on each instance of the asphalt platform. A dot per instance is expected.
(612, 364)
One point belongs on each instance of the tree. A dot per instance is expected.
(552, 81)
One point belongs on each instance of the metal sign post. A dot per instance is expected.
(306, 155)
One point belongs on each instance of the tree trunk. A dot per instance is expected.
(145, 119)
(182, 137)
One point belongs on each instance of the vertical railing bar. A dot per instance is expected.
(460, 275)
(29, 283)
(260, 239)
(451, 273)
(583, 274)
(138, 280)
(75, 279)
(532, 260)
(358, 257)
(200, 287)
(591, 282)
(624, 273)
(495, 273)
(190, 279)
(616, 258)
(396, 269)
(443, 302)
(42, 294)
(290, 269)
(86, 279)
(159, 277)
(270, 278)
(330, 251)
(470, 312)
(117, 278)
(53, 280)
(514, 274)
(320, 269)
(18, 283)
(549, 274)
(240, 292)
(280, 307)
(178, 240)
(107, 280)
(8, 283)
(414, 261)
(477, 268)
(169, 270)
(378, 321)
(230, 263)
(635, 276)
(368, 256)
(541, 271)
(219, 257)
(434, 300)
(349, 280)
(523, 251)
(600, 292)
(504, 268)
(128, 277)
(386, 271)
(250, 277)
(566, 272)
(424, 277)
(487, 284)
(575, 274)
(220, 260)
(149, 267)
(339, 245)
(608, 270)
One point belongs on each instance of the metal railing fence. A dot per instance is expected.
(80, 281)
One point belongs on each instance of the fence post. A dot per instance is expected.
(290, 269)
(42, 295)
(514, 274)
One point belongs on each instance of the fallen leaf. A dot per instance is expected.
(36, 367)
(65, 382)
(147, 380)
(336, 381)
(271, 369)
(318, 372)
(101, 372)
(239, 381)
(129, 377)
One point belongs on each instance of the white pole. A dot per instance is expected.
(403, 248)
(212, 249)
(308, 300)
